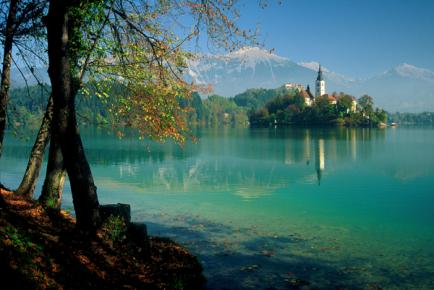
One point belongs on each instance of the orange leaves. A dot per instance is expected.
(50, 254)
(154, 110)
(5, 192)
(37, 260)
(120, 134)
(55, 267)
(83, 259)
(144, 54)
(7, 242)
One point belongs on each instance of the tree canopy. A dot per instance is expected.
(126, 44)
(132, 56)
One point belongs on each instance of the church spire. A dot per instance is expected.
(320, 77)
(320, 84)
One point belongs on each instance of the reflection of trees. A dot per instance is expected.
(16, 149)
(240, 177)
(246, 165)
(106, 148)
(249, 163)
(325, 145)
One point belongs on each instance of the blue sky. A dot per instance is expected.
(357, 38)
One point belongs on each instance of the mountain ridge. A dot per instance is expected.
(403, 87)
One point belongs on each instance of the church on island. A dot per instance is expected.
(320, 92)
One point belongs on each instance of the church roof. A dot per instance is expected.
(331, 98)
(320, 76)
(307, 94)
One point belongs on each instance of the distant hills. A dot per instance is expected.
(404, 88)
(18, 81)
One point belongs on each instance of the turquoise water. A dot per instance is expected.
(272, 208)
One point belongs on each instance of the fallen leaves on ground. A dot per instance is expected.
(40, 249)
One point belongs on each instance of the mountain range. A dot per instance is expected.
(23, 76)
(404, 88)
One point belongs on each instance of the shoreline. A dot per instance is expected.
(41, 249)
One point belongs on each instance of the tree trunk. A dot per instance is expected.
(6, 71)
(28, 183)
(83, 189)
(51, 196)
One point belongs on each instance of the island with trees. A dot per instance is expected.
(290, 108)
(254, 107)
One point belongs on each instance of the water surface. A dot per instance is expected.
(272, 208)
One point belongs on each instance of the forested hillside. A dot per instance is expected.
(254, 107)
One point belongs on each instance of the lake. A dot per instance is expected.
(277, 208)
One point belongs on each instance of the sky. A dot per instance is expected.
(357, 38)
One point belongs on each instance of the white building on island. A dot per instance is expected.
(320, 92)
(293, 86)
(320, 84)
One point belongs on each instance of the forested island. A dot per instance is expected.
(337, 109)
(254, 107)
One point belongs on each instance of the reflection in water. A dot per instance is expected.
(244, 162)
(325, 145)
(319, 159)
(259, 191)
(247, 163)
(306, 147)
(353, 144)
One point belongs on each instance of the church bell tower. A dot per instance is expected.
(320, 84)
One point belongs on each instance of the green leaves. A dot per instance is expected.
(114, 230)
(132, 55)
(11, 236)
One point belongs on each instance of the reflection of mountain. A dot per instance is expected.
(247, 163)
(251, 163)
(216, 175)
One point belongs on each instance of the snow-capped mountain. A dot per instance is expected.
(246, 68)
(408, 70)
(404, 88)
(336, 79)
(252, 67)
